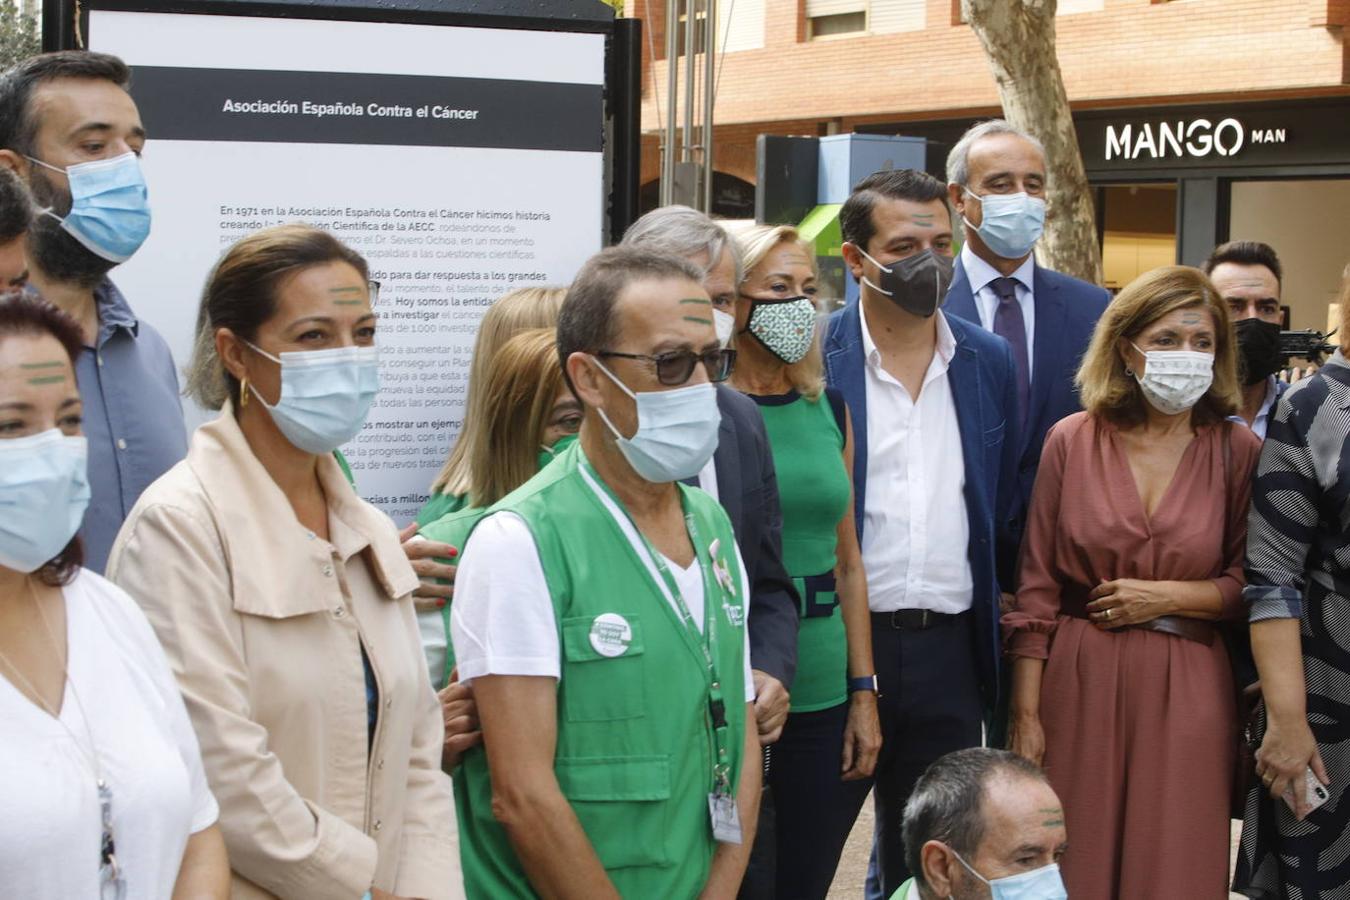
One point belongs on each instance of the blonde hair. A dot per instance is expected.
(520, 310)
(1109, 392)
(756, 242)
(523, 380)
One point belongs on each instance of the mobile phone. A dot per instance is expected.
(1315, 794)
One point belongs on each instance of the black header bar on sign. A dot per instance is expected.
(346, 108)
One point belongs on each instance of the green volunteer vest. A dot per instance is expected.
(635, 738)
(454, 519)
(439, 505)
(453, 529)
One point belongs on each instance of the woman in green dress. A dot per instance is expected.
(533, 416)
(820, 770)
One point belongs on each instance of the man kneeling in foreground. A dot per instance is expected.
(983, 824)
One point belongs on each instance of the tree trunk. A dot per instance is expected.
(1019, 41)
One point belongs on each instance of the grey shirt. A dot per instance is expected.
(133, 418)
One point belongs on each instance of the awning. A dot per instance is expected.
(821, 228)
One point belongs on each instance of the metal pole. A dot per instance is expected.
(672, 85)
(690, 76)
(709, 97)
(625, 110)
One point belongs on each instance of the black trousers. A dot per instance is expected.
(813, 808)
(930, 705)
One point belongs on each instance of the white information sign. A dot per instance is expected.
(461, 162)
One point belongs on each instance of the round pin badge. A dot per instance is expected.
(611, 634)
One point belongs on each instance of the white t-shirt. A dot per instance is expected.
(502, 620)
(50, 823)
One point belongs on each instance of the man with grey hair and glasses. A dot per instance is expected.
(983, 824)
(741, 473)
(996, 178)
(742, 477)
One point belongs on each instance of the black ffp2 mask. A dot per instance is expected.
(917, 284)
(1259, 347)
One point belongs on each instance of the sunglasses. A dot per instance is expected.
(676, 366)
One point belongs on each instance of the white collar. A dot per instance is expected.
(981, 274)
(946, 341)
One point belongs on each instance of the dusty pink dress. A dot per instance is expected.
(1140, 726)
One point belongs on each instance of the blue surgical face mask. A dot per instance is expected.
(325, 395)
(109, 206)
(676, 434)
(1044, 883)
(725, 326)
(44, 490)
(1011, 224)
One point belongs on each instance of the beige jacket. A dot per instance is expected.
(263, 622)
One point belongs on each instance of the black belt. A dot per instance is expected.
(915, 619)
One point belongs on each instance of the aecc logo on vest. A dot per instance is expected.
(610, 635)
(1195, 139)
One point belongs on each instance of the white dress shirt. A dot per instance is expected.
(1262, 420)
(916, 533)
(982, 276)
(707, 477)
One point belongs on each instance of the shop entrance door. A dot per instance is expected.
(1139, 230)
(1306, 222)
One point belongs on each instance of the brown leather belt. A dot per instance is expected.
(1074, 601)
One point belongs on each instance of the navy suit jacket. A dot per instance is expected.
(747, 487)
(984, 390)
(1066, 311)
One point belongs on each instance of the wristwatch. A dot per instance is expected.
(865, 683)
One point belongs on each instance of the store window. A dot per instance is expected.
(1306, 222)
(701, 14)
(1140, 230)
(835, 18)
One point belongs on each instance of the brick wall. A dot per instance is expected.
(1130, 52)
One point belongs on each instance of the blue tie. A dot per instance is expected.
(1009, 325)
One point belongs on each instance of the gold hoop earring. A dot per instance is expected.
(243, 394)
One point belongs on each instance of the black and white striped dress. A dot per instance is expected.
(1298, 567)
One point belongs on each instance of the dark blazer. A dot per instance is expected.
(1066, 311)
(748, 490)
(984, 389)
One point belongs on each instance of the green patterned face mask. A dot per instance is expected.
(785, 328)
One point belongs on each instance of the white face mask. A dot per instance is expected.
(1174, 380)
(325, 395)
(725, 325)
(44, 490)
(676, 434)
(1044, 883)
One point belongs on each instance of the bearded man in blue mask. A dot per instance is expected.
(984, 825)
(70, 130)
(996, 184)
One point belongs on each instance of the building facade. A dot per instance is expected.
(1199, 120)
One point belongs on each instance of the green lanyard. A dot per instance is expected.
(707, 641)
